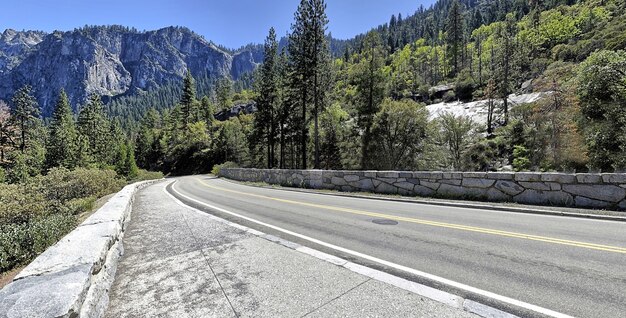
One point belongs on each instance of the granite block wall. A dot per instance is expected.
(588, 190)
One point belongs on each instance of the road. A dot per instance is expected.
(569, 265)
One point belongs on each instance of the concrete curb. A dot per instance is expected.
(449, 299)
(72, 278)
(448, 204)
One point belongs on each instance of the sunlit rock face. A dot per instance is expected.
(110, 61)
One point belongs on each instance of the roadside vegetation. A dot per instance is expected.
(51, 173)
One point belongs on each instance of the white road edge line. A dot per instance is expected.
(420, 289)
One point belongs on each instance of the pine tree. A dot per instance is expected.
(224, 93)
(455, 34)
(25, 115)
(300, 48)
(7, 131)
(62, 144)
(320, 59)
(188, 98)
(94, 125)
(265, 119)
(504, 66)
(370, 87)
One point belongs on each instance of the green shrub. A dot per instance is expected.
(21, 242)
(520, 158)
(143, 175)
(38, 212)
(63, 185)
(18, 205)
(228, 164)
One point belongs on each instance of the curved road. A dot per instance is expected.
(569, 265)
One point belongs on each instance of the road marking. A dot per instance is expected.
(454, 284)
(599, 247)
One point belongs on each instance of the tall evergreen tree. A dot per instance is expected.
(25, 114)
(320, 58)
(61, 146)
(370, 86)
(7, 131)
(265, 120)
(455, 34)
(300, 48)
(504, 66)
(94, 125)
(188, 98)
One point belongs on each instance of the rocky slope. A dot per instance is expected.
(110, 61)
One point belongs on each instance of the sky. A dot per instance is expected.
(232, 23)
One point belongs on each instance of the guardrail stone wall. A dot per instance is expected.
(586, 190)
(72, 278)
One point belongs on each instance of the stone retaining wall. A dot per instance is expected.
(72, 278)
(587, 190)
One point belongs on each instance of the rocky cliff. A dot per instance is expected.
(110, 61)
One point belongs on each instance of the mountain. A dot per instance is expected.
(111, 61)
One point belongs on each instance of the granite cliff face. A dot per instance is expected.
(110, 61)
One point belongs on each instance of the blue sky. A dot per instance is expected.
(232, 23)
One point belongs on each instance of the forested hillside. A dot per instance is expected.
(366, 108)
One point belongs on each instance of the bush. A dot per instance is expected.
(37, 213)
(21, 242)
(228, 164)
(143, 175)
(62, 185)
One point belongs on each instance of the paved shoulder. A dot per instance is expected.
(182, 263)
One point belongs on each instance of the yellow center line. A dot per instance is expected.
(593, 246)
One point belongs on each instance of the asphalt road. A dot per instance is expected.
(570, 265)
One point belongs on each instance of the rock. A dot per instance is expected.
(351, 178)
(347, 188)
(450, 191)
(501, 175)
(530, 196)
(497, 195)
(452, 175)
(589, 178)
(527, 176)
(509, 187)
(614, 177)
(423, 191)
(338, 181)
(477, 183)
(413, 181)
(480, 175)
(608, 193)
(427, 175)
(527, 86)
(404, 185)
(430, 185)
(535, 186)
(559, 177)
(388, 174)
(451, 181)
(590, 203)
(386, 188)
(111, 61)
(57, 294)
(366, 185)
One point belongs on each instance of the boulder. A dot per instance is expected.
(608, 193)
